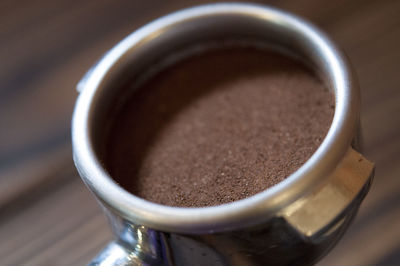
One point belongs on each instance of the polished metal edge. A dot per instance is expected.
(252, 210)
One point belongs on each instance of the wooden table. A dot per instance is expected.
(47, 216)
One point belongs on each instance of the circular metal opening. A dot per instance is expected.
(183, 29)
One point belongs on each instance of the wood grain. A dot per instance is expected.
(48, 217)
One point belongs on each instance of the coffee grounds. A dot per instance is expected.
(218, 127)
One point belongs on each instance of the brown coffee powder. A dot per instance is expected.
(218, 127)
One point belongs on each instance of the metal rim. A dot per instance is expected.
(244, 212)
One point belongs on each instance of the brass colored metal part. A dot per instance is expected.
(313, 213)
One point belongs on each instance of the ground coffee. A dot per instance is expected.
(218, 127)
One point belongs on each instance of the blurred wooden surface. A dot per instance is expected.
(47, 216)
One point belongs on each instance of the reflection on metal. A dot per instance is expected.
(136, 245)
(113, 255)
(314, 214)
